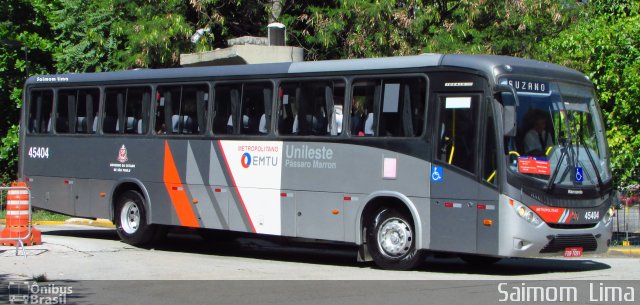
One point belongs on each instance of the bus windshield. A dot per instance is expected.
(560, 138)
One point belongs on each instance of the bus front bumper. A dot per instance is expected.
(519, 238)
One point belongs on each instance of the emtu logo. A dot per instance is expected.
(245, 160)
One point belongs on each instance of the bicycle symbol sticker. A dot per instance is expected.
(436, 174)
(579, 174)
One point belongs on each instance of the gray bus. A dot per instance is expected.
(484, 157)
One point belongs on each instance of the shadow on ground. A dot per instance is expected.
(280, 249)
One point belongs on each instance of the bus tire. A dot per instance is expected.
(479, 260)
(391, 241)
(131, 219)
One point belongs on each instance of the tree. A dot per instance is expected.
(21, 22)
(361, 28)
(605, 44)
(119, 34)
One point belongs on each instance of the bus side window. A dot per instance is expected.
(457, 131)
(110, 117)
(41, 104)
(65, 111)
(311, 108)
(136, 110)
(255, 111)
(126, 110)
(181, 109)
(391, 107)
(87, 110)
(362, 108)
(225, 108)
(489, 166)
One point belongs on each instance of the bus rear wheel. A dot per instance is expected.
(131, 219)
(391, 241)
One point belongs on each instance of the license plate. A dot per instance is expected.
(573, 252)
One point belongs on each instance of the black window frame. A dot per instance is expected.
(204, 117)
(50, 127)
(276, 116)
(236, 116)
(145, 115)
(425, 103)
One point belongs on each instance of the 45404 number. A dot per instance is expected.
(39, 152)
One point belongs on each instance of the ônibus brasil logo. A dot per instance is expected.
(245, 160)
(122, 154)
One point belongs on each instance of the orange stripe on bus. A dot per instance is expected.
(179, 198)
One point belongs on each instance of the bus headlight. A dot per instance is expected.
(608, 216)
(525, 213)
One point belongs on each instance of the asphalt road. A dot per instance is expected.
(79, 255)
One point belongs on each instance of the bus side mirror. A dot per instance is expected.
(509, 102)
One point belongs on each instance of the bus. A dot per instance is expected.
(483, 157)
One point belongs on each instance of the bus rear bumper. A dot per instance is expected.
(519, 238)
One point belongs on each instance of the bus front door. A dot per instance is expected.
(453, 183)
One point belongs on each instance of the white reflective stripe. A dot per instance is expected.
(17, 213)
(18, 192)
(457, 205)
(17, 202)
(564, 215)
(491, 207)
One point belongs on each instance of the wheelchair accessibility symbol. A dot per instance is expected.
(436, 174)
(579, 174)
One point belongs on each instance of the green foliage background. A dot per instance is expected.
(600, 38)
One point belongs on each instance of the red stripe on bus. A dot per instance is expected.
(448, 204)
(233, 181)
(179, 199)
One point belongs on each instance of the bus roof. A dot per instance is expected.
(491, 65)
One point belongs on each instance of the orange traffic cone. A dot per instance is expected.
(17, 225)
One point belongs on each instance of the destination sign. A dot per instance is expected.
(529, 86)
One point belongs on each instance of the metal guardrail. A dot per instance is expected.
(626, 226)
(4, 202)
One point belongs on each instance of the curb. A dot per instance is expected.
(625, 251)
(48, 222)
(103, 223)
(100, 222)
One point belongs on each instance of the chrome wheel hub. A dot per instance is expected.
(395, 237)
(130, 217)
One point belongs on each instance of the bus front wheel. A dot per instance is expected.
(131, 219)
(391, 241)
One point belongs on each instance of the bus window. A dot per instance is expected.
(242, 108)
(226, 105)
(77, 110)
(126, 110)
(489, 166)
(183, 107)
(255, 109)
(457, 131)
(390, 107)
(65, 111)
(311, 108)
(40, 108)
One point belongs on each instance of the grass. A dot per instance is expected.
(41, 215)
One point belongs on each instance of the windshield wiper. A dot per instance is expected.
(593, 163)
(552, 179)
